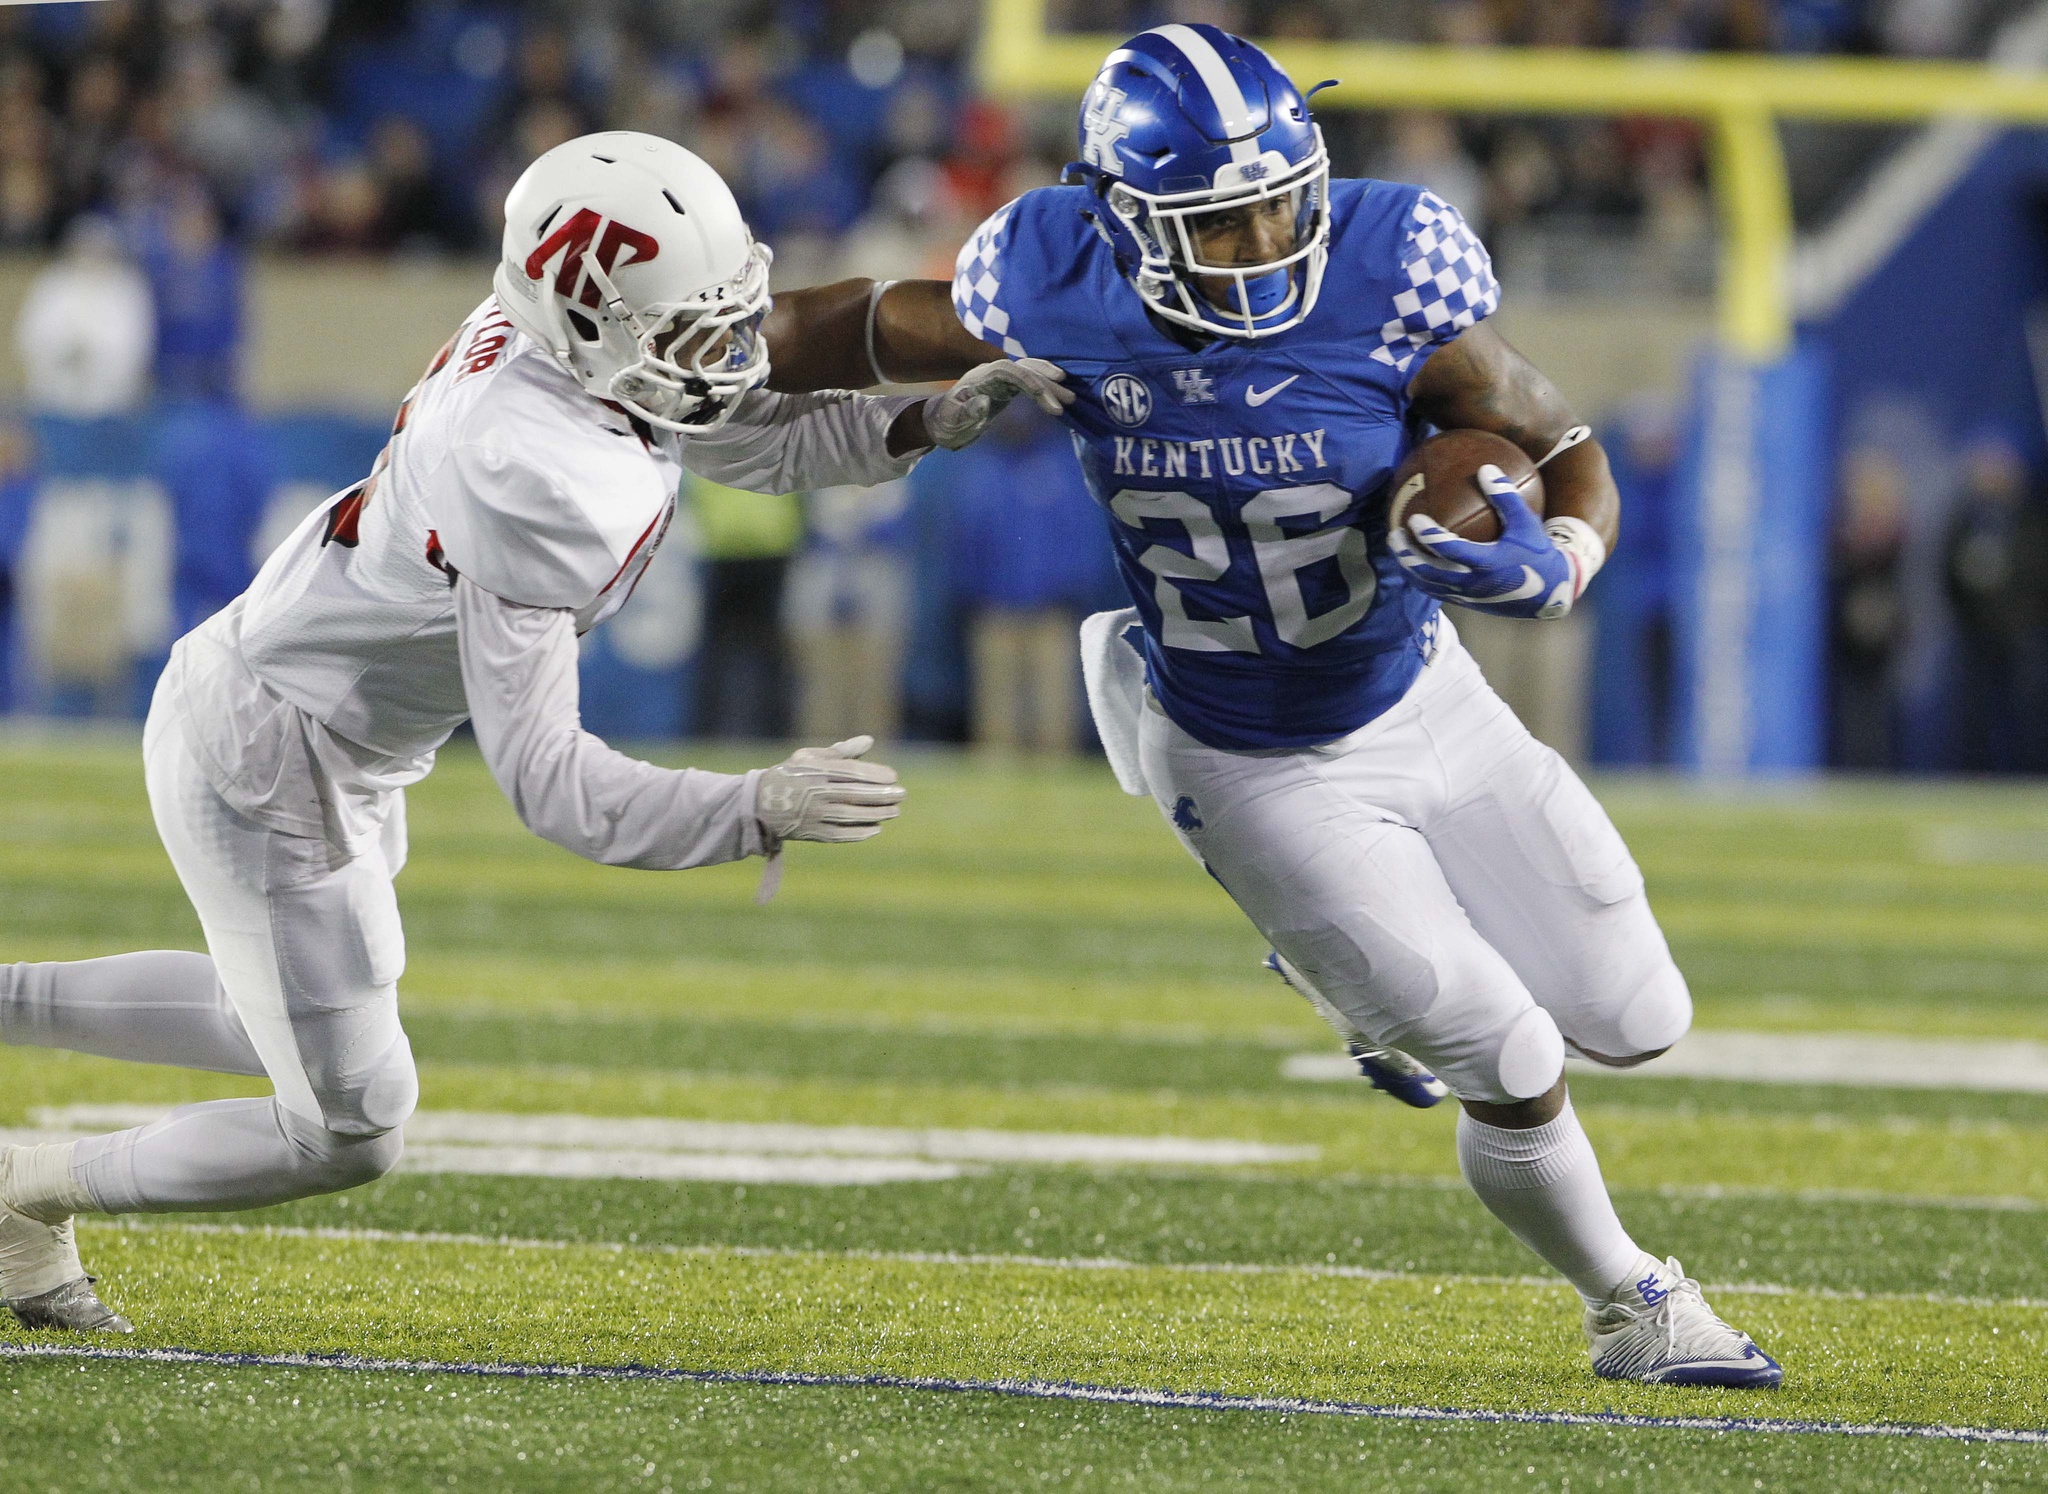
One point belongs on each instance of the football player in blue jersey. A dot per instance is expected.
(1244, 350)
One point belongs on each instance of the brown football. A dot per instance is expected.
(1440, 479)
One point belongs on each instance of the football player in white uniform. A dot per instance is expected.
(530, 475)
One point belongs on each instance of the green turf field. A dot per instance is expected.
(1024, 962)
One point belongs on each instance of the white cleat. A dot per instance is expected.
(1658, 1329)
(42, 1281)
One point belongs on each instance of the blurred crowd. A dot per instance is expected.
(156, 143)
(1939, 617)
(850, 128)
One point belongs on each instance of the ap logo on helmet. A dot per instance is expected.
(575, 237)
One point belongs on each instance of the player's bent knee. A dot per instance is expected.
(357, 1160)
(370, 1098)
(1531, 1056)
(335, 1162)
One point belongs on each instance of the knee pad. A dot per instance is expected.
(367, 1096)
(1655, 1017)
(1531, 1055)
(336, 1161)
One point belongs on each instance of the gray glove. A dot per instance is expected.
(954, 419)
(825, 793)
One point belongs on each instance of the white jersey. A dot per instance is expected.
(337, 675)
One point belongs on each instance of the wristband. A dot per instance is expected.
(1582, 546)
(874, 305)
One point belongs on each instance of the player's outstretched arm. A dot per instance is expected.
(819, 338)
(519, 672)
(1479, 382)
(784, 443)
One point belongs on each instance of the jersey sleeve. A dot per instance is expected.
(779, 443)
(519, 675)
(1445, 281)
(516, 525)
(978, 291)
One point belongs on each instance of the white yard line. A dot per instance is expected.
(675, 1167)
(654, 1148)
(1868, 1060)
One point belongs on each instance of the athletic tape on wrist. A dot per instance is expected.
(1582, 545)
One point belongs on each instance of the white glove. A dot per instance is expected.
(954, 419)
(824, 793)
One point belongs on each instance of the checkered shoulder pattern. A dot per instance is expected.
(1450, 283)
(978, 285)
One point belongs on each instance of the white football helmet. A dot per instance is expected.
(627, 259)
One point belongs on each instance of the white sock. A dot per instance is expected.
(35, 1258)
(36, 1182)
(1544, 1184)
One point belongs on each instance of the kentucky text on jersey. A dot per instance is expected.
(1244, 481)
(1235, 456)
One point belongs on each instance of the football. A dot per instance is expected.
(1440, 479)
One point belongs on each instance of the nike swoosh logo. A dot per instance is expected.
(1532, 585)
(1257, 397)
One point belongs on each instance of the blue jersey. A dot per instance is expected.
(1245, 481)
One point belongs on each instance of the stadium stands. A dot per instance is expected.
(308, 188)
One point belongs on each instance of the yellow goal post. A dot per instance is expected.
(1739, 97)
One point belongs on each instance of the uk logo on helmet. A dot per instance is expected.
(573, 240)
(1102, 128)
(1127, 399)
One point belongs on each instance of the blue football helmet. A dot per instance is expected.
(1185, 123)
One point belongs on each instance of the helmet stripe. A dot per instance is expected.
(1215, 74)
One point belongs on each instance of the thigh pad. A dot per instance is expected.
(340, 951)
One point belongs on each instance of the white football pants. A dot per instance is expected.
(1444, 878)
(307, 947)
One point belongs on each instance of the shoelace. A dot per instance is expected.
(1668, 1309)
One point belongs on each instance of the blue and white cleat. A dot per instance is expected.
(1392, 1072)
(1658, 1329)
(1388, 1070)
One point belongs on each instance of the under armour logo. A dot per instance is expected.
(1196, 387)
(1252, 171)
(575, 237)
(1102, 128)
(1184, 816)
